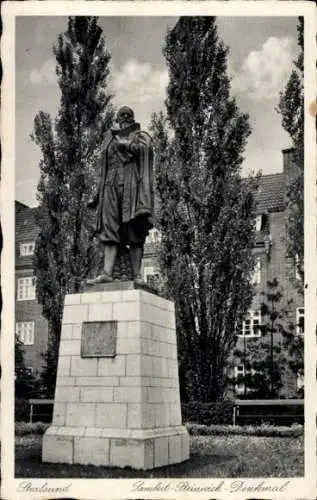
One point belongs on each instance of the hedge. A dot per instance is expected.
(250, 430)
(24, 428)
(219, 412)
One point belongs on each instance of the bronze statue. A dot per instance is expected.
(125, 198)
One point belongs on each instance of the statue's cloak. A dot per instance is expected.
(138, 194)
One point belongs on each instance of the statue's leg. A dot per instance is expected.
(110, 254)
(136, 254)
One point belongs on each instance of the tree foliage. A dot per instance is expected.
(206, 211)
(69, 146)
(291, 107)
(25, 383)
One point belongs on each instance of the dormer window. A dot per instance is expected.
(27, 248)
(261, 222)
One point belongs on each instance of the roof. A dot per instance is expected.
(26, 230)
(270, 195)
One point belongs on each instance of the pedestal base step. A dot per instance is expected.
(138, 449)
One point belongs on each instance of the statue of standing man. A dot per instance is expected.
(125, 199)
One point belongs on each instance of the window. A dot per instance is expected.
(25, 332)
(239, 372)
(27, 248)
(258, 223)
(300, 321)
(256, 278)
(154, 236)
(297, 267)
(251, 325)
(261, 223)
(151, 276)
(26, 288)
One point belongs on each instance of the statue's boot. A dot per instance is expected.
(136, 254)
(109, 261)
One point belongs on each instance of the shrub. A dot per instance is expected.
(219, 412)
(24, 428)
(250, 430)
(21, 410)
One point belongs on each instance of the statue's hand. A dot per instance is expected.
(123, 144)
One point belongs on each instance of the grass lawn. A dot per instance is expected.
(216, 456)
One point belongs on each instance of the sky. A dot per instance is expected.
(261, 54)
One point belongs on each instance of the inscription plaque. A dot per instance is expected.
(99, 339)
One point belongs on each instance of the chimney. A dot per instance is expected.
(290, 168)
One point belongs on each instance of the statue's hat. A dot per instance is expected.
(125, 110)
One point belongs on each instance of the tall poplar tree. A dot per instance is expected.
(69, 148)
(291, 107)
(206, 210)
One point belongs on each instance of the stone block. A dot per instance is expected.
(161, 451)
(135, 381)
(83, 367)
(59, 414)
(57, 449)
(80, 414)
(65, 394)
(159, 367)
(96, 394)
(71, 431)
(112, 367)
(90, 298)
(113, 296)
(93, 432)
(156, 315)
(72, 299)
(75, 314)
(185, 446)
(76, 331)
(129, 394)
(130, 295)
(91, 450)
(157, 395)
(162, 415)
(128, 346)
(100, 312)
(163, 334)
(65, 381)
(66, 332)
(139, 365)
(63, 368)
(131, 453)
(133, 329)
(172, 368)
(69, 347)
(175, 449)
(111, 415)
(97, 381)
(141, 416)
(175, 416)
(122, 330)
(126, 311)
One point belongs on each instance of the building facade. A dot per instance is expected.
(31, 326)
(271, 263)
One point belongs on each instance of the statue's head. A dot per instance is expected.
(125, 117)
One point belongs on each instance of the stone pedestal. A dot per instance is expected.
(122, 410)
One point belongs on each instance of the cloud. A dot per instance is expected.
(264, 73)
(141, 86)
(44, 75)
